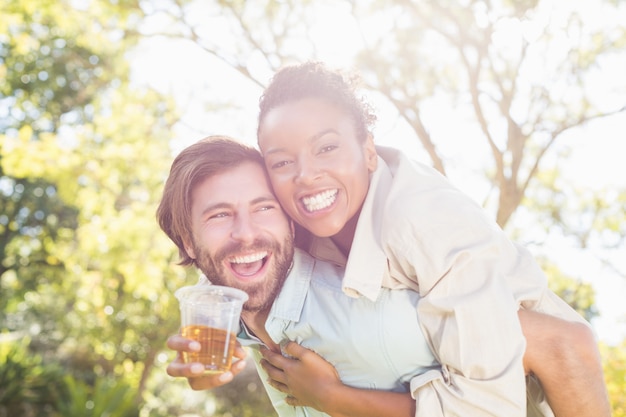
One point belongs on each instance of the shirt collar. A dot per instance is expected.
(288, 305)
(290, 301)
(367, 262)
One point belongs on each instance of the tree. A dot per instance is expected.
(522, 103)
(84, 150)
(83, 155)
(518, 76)
(489, 57)
(614, 364)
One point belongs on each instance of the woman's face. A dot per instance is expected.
(318, 167)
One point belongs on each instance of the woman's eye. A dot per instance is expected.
(327, 148)
(280, 164)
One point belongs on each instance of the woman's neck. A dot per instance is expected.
(344, 238)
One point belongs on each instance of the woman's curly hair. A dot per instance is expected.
(315, 80)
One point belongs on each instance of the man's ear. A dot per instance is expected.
(371, 156)
(189, 249)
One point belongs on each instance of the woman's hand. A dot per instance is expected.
(306, 377)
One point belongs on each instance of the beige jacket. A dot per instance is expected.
(416, 230)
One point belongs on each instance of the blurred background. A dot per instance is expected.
(522, 104)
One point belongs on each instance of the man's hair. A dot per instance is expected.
(315, 80)
(205, 158)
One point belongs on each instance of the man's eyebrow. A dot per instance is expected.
(216, 206)
(269, 198)
(265, 199)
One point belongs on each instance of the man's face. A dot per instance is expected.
(241, 236)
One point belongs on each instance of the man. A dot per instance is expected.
(220, 211)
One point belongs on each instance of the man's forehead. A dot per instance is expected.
(246, 181)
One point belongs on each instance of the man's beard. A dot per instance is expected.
(261, 294)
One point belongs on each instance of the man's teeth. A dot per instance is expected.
(248, 259)
(319, 201)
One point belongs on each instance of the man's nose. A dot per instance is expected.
(244, 229)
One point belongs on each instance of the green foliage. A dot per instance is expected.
(116, 288)
(246, 386)
(83, 155)
(584, 215)
(614, 365)
(580, 295)
(28, 387)
(107, 397)
(86, 272)
(56, 58)
(244, 397)
(33, 221)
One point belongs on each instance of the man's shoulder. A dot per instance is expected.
(305, 262)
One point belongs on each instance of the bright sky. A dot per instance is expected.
(596, 161)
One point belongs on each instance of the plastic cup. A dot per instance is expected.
(210, 315)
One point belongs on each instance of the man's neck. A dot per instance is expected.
(255, 322)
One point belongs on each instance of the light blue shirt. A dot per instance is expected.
(372, 344)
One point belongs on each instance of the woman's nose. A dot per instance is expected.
(307, 172)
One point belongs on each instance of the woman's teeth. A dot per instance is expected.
(319, 201)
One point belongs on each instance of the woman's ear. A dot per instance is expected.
(371, 157)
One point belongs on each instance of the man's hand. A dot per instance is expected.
(194, 372)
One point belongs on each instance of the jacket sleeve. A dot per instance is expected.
(468, 312)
